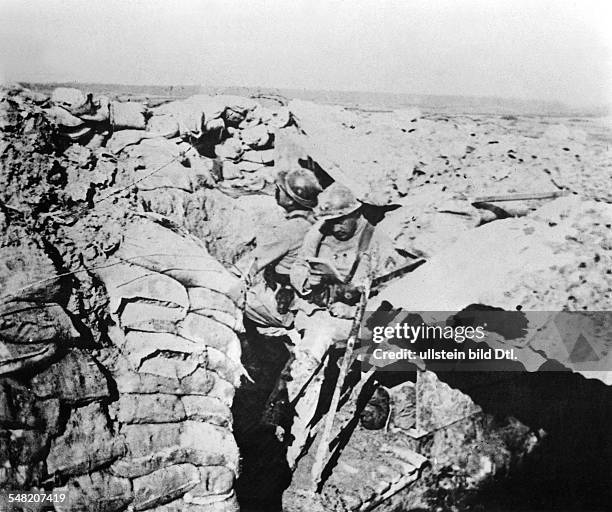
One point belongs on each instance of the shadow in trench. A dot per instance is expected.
(264, 470)
(572, 467)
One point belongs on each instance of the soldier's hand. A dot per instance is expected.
(341, 310)
(314, 280)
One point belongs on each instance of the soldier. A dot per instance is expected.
(268, 301)
(343, 237)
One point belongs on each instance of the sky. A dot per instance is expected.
(559, 50)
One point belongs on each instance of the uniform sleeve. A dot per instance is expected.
(271, 246)
(380, 259)
(301, 270)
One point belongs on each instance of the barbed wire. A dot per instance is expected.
(87, 208)
(119, 261)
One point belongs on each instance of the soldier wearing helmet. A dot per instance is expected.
(268, 266)
(357, 251)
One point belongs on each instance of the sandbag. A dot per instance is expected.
(121, 140)
(280, 118)
(164, 125)
(62, 117)
(102, 112)
(190, 117)
(128, 115)
(256, 137)
(259, 157)
(28, 273)
(230, 149)
(67, 96)
(86, 443)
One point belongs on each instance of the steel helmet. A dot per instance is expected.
(336, 201)
(301, 185)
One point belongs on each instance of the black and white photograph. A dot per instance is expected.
(305, 256)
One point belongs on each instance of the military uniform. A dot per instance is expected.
(267, 267)
(322, 327)
(277, 250)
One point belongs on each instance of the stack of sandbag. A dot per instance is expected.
(35, 331)
(33, 322)
(247, 153)
(79, 117)
(175, 367)
(237, 131)
(88, 120)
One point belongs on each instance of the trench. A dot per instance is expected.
(72, 431)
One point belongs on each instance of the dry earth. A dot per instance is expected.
(123, 357)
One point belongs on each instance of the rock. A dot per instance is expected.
(164, 485)
(85, 445)
(96, 492)
(76, 379)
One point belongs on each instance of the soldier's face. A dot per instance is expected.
(345, 227)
